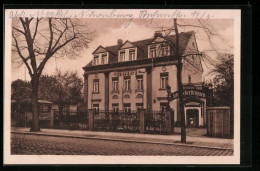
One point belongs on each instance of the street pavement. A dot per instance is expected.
(200, 141)
(26, 144)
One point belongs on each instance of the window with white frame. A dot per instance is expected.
(127, 107)
(122, 56)
(165, 50)
(164, 80)
(152, 51)
(96, 86)
(95, 60)
(115, 84)
(163, 106)
(115, 107)
(139, 106)
(139, 80)
(96, 108)
(127, 83)
(104, 59)
(131, 54)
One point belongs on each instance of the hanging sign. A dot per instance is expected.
(187, 93)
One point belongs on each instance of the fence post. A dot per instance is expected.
(52, 119)
(142, 113)
(91, 119)
(169, 121)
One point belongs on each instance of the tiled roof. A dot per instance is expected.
(142, 46)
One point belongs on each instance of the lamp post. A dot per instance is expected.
(169, 96)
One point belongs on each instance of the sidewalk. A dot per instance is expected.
(206, 142)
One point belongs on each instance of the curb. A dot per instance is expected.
(122, 140)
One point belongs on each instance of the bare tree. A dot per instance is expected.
(63, 88)
(36, 40)
(210, 34)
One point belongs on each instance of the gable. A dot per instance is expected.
(100, 49)
(126, 45)
(191, 47)
(158, 40)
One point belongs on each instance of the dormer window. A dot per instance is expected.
(153, 51)
(104, 59)
(131, 54)
(122, 56)
(95, 60)
(165, 50)
(193, 44)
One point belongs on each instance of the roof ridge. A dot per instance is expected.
(183, 33)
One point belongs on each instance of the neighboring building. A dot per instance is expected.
(21, 112)
(133, 75)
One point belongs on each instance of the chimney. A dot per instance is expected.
(157, 34)
(119, 42)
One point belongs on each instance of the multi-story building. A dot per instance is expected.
(133, 75)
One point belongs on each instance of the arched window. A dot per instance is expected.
(139, 96)
(127, 96)
(115, 97)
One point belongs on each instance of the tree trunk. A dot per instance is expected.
(179, 79)
(35, 108)
(60, 113)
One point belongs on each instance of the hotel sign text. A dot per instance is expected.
(187, 93)
(129, 73)
(126, 73)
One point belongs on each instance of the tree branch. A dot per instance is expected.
(20, 54)
(18, 30)
(36, 28)
(51, 36)
(61, 34)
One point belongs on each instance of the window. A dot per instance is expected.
(96, 60)
(122, 56)
(127, 107)
(163, 106)
(96, 108)
(96, 86)
(139, 79)
(115, 107)
(139, 106)
(165, 50)
(153, 52)
(115, 84)
(104, 59)
(131, 54)
(164, 80)
(193, 44)
(189, 78)
(127, 83)
(115, 97)
(139, 96)
(127, 96)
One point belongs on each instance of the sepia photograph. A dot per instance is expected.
(115, 86)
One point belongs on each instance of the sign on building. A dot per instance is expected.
(186, 93)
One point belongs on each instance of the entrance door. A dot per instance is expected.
(192, 117)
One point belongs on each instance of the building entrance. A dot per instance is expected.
(192, 117)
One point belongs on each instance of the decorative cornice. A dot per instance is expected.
(159, 61)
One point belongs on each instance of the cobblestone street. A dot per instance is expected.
(49, 145)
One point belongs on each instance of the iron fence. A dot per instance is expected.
(155, 122)
(71, 120)
(119, 121)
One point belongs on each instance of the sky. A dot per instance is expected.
(108, 31)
